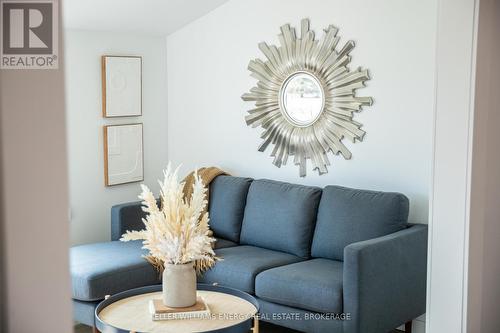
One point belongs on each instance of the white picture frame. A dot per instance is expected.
(121, 86)
(123, 154)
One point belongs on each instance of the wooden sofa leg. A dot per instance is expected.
(95, 330)
(255, 328)
(408, 327)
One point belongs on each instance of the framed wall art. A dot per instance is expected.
(123, 154)
(121, 86)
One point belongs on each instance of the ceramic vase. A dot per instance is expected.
(179, 285)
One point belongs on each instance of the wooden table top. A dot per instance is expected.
(132, 314)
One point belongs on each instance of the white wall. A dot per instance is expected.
(395, 40)
(90, 200)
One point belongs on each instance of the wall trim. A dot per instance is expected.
(435, 322)
(472, 96)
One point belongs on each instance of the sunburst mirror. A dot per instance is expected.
(305, 98)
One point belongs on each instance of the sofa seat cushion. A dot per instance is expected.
(241, 264)
(221, 243)
(280, 216)
(347, 216)
(314, 285)
(108, 268)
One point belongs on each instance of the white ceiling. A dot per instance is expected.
(156, 17)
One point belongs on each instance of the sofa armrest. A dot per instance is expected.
(385, 280)
(126, 216)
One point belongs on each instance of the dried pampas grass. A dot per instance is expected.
(177, 232)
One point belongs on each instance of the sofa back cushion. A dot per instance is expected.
(280, 216)
(226, 206)
(348, 215)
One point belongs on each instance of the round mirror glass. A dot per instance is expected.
(302, 99)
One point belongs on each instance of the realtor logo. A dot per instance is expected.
(29, 34)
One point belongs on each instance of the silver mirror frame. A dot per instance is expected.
(335, 122)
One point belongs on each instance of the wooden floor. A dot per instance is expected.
(264, 328)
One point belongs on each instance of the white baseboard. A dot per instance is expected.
(418, 325)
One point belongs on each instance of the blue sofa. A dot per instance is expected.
(318, 260)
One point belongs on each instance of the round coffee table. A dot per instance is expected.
(232, 311)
